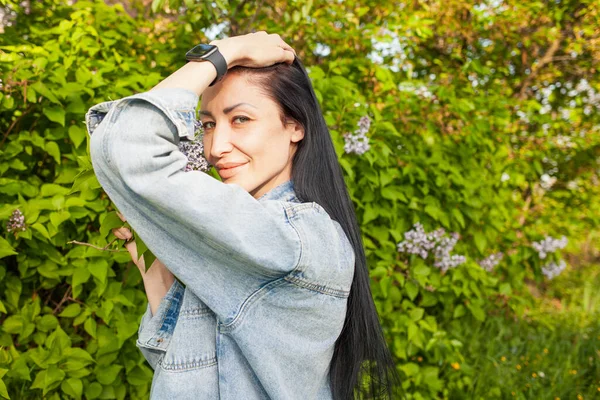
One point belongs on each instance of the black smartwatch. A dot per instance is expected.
(209, 52)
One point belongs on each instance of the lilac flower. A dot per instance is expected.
(419, 242)
(552, 269)
(364, 123)
(549, 245)
(358, 142)
(16, 222)
(194, 151)
(490, 262)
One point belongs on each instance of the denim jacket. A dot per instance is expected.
(262, 283)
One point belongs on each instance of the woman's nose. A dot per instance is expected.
(221, 142)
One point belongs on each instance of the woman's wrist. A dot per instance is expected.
(227, 50)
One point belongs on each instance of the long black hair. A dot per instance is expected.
(362, 364)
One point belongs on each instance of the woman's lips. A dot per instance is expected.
(229, 172)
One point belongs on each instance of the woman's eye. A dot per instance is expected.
(208, 125)
(241, 119)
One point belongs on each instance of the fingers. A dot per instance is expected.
(261, 49)
(132, 249)
(288, 56)
(122, 233)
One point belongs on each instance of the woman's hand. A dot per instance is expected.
(125, 234)
(157, 280)
(255, 50)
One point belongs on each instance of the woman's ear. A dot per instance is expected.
(297, 130)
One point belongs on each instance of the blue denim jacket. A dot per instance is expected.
(263, 283)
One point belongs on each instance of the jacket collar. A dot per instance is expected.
(283, 192)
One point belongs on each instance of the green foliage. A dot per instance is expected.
(471, 132)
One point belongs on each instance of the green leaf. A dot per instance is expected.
(410, 369)
(90, 326)
(71, 311)
(421, 270)
(6, 249)
(47, 323)
(156, 4)
(459, 311)
(412, 290)
(458, 217)
(84, 180)
(47, 378)
(480, 241)
(416, 314)
(55, 114)
(107, 375)
(111, 221)
(53, 150)
(143, 250)
(41, 229)
(77, 134)
(3, 391)
(57, 218)
(477, 311)
(139, 376)
(73, 387)
(76, 353)
(93, 391)
(98, 267)
(13, 324)
(369, 215)
(80, 276)
(44, 91)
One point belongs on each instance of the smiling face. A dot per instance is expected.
(244, 136)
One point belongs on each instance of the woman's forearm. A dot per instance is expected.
(157, 282)
(197, 75)
(194, 76)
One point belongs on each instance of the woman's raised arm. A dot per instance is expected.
(220, 241)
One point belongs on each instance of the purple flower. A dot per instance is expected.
(491, 261)
(194, 151)
(419, 242)
(358, 142)
(552, 269)
(549, 245)
(364, 123)
(16, 222)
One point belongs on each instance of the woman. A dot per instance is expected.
(272, 295)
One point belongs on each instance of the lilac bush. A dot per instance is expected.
(16, 222)
(417, 241)
(194, 151)
(490, 262)
(552, 269)
(549, 245)
(358, 142)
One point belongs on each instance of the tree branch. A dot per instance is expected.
(546, 59)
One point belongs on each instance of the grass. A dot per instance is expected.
(552, 352)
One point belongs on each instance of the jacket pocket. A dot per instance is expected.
(193, 342)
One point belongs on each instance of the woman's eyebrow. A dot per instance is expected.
(225, 110)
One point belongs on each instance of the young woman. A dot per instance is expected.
(272, 296)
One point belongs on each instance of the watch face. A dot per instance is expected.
(200, 51)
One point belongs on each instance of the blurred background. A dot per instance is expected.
(469, 133)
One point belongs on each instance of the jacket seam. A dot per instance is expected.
(315, 287)
(189, 365)
(247, 304)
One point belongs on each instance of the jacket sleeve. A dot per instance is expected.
(216, 238)
(155, 331)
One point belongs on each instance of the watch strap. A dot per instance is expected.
(217, 59)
